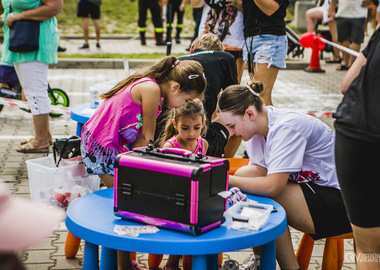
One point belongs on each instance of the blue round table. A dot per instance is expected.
(91, 218)
(77, 115)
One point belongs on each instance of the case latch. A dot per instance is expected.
(180, 201)
(127, 190)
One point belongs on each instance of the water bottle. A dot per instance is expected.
(94, 98)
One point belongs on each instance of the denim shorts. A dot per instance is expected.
(268, 49)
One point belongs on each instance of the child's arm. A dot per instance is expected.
(150, 99)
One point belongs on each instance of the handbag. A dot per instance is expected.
(24, 36)
(66, 148)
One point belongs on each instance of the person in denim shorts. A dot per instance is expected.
(265, 41)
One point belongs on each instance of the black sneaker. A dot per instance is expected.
(85, 46)
(98, 45)
(61, 49)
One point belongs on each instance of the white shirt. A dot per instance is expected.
(351, 9)
(295, 142)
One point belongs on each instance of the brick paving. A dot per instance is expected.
(295, 89)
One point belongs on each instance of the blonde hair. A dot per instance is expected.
(192, 109)
(237, 98)
(209, 42)
(188, 73)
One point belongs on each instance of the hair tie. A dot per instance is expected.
(176, 62)
(252, 91)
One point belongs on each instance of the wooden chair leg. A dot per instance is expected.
(154, 260)
(304, 251)
(71, 245)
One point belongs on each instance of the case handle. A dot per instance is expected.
(177, 151)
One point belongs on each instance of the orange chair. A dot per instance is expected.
(72, 245)
(332, 254)
(236, 163)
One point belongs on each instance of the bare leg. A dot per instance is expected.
(268, 77)
(240, 68)
(108, 180)
(97, 30)
(173, 262)
(298, 216)
(232, 146)
(334, 37)
(367, 241)
(85, 29)
(311, 15)
(355, 47)
(346, 56)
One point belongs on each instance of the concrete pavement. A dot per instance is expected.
(295, 89)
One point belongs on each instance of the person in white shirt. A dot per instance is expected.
(350, 23)
(291, 160)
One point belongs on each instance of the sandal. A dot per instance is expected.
(30, 148)
(30, 140)
(333, 60)
(342, 67)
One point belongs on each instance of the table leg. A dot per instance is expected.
(79, 129)
(268, 256)
(108, 259)
(199, 262)
(212, 262)
(91, 257)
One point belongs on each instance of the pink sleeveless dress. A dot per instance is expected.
(173, 141)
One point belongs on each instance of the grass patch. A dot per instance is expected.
(118, 55)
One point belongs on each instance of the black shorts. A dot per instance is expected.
(351, 29)
(217, 137)
(236, 54)
(327, 210)
(86, 9)
(356, 163)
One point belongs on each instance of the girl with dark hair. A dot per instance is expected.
(127, 116)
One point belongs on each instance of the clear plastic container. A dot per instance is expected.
(58, 186)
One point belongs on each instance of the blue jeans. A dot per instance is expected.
(268, 49)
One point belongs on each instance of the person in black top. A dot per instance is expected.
(265, 39)
(357, 150)
(220, 71)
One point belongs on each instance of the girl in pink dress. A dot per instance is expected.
(184, 129)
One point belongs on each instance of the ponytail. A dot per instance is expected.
(237, 98)
(168, 69)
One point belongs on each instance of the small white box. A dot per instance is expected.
(58, 186)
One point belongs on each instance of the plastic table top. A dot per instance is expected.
(91, 218)
(78, 113)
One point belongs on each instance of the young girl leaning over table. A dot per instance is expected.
(184, 129)
(127, 117)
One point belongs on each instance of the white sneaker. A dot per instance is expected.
(251, 263)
